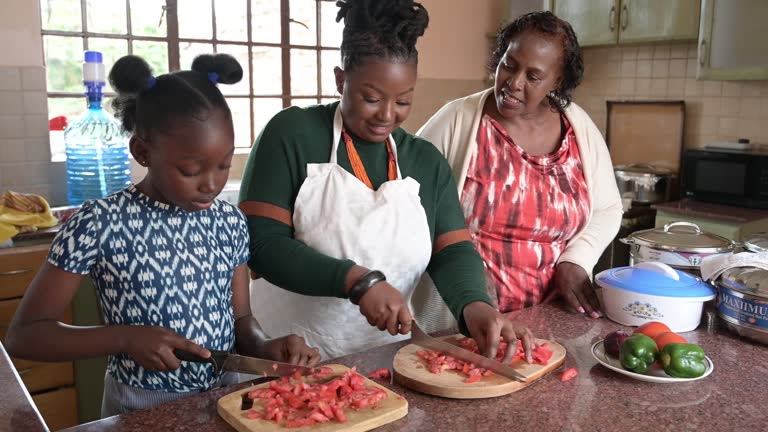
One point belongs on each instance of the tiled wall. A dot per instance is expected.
(715, 110)
(24, 151)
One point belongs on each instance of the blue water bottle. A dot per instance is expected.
(96, 146)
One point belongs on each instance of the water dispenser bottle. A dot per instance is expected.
(96, 146)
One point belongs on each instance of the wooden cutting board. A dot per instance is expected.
(392, 408)
(411, 371)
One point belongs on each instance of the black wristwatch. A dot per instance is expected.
(363, 284)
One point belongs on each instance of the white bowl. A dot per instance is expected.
(648, 292)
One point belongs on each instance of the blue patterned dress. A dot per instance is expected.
(158, 265)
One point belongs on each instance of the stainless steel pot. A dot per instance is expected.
(681, 245)
(742, 302)
(758, 242)
(644, 183)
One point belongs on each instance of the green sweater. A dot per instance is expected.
(276, 169)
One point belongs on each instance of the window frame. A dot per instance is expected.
(173, 41)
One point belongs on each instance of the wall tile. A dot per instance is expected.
(764, 107)
(33, 78)
(690, 69)
(709, 125)
(712, 88)
(750, 108)
(13, 174)
(628, 68)
(677, 68)
(732, 88)
(36, 102)
(11, 102)
(678, 51)
(643, 87)
(37, 149)
(644, 68)
(659, 87)
(645, 53)
(12, 150)
(728, 126)
(37, 173)
(35, 125)
(11, 126)
(730, 106)
(629, 53)
(10, 78)
(661, 52)
(693, 50)
(693, 88)
(676, 88)
(710, 106)
(660, 69)
(627, 87)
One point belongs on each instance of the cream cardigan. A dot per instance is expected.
(453, 130)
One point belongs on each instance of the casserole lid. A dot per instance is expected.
(682, 237)
(752, 280)
(656, 279)
(758, 242)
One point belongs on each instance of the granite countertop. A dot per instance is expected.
(689, 207)
(17, 412)
(731, 399)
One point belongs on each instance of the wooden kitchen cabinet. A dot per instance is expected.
(608, 22)
(51, 385)
(730, 45)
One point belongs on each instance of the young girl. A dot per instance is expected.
(168, 259)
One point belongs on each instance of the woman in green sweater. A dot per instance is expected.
(346, 210)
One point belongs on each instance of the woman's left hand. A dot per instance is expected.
(573, 285)
(290, 349)
(486, 326)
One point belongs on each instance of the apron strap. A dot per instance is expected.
(357, 164)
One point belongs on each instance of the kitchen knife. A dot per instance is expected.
(222, 360)
(419, 337)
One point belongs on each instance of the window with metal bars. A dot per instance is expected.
(288, 49)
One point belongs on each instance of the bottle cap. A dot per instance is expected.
(93, 57)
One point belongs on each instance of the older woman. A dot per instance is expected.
(533, 171)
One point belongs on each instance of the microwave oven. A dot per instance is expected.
(730, 177)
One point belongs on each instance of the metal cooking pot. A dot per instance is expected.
(758, 242)
(681, 245)
(644, 183)
(742, 302)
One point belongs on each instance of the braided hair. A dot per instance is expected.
(385, 29)
(549, 25)
(146, 104)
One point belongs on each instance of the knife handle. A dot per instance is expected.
(216, 359)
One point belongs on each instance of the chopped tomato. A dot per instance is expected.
(568, 374)
(296, 375)
(295, 404)
(438, 362)
(382, 374)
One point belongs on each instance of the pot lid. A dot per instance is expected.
(753, 280)
(757, 242)
(682, 237)
(656, 279)
(643, 169)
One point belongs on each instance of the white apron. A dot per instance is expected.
(338, 215)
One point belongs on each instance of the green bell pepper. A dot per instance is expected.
(683, 360)
(637, 353)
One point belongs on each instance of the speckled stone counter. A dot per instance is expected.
(733, 398)
(17, 412)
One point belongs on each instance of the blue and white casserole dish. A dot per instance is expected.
(654, 291)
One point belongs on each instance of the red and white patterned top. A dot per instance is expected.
(521, 210)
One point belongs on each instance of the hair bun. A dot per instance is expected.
(130, 75)
(224, 65)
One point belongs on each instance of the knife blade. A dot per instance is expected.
(222, 360)
(419, 337)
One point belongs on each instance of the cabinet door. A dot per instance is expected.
(594, 21)
(731, 44)
(658, 20)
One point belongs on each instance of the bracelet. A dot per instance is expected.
(363, 284)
